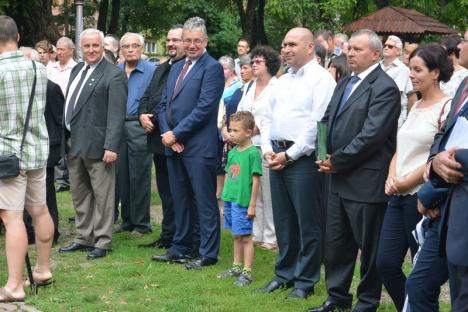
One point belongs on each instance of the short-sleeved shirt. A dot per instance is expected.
(240, 168)
(16, 79)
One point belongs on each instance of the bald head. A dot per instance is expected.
(298, 47)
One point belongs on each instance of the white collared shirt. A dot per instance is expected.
(60, 75)
(297, 102)
(74, 84)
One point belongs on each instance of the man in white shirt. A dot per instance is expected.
(288, 144)
(398, 71)
(243, 48)
(59, 72)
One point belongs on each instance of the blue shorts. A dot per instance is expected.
(235, 219)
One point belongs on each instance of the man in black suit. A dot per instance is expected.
(94, 115)
(449, 168)
(362, 123)
(148, 102)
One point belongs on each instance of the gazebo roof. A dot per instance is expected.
(394, 20)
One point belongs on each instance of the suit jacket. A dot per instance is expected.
(99, 114)
(192, 113)
(149, 103)
(364, 137)
(453, 232)
(53, 116)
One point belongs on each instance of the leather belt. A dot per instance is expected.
(282, 143)
(131, 118)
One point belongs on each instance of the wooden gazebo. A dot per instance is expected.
(409, 25)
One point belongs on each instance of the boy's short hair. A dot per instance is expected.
(246, 118)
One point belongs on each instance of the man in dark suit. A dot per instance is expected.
(187, 118)
(449, 168)
(94, 115)
(148, 103)
(362, 123)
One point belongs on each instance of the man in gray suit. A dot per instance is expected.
(94, 116)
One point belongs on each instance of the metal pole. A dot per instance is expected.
(78, 26)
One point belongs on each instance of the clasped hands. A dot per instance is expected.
(276, 161)
(326, 165)
(169, 140)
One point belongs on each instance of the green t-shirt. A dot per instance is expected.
(240, 168)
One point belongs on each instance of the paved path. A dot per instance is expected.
(7, 307)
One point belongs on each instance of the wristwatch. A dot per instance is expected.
(289, 160)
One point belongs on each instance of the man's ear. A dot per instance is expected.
(17, 40)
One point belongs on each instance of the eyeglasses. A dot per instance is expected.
(196, 42)
(390, 46)
(173, 40)
(257, 62)
(133, 46)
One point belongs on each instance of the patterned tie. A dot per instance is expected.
(349, 86)
(462, 98)
(73, 98)
(181, 78)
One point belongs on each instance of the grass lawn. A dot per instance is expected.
(127, 280)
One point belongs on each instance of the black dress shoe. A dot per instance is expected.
(97, 253)
(301, 293)
(171, 257)
(156, 244)
(199, 263)
(272, 286)
(329, 306)
(75, 247)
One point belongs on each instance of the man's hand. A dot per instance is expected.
(168, 138)
(278, 161)
(109, 156)
(326, 166)
(177, 147)
(445, 165)
(147, 123)
(251, 212)
(430, 213)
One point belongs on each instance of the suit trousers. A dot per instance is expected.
(396, 237)
(459, 277)
(295, 193)
(263, 226)
(164, 190)
(193, 183)
(92, 185)
(352, 226)
(134, 178)
(429, 273)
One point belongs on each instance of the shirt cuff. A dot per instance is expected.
(294, 152)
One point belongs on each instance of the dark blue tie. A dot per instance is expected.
(349, 86)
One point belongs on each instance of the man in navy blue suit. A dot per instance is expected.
(187, 117)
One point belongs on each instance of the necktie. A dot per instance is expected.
(73, 98)
(349, 86)
(181, 77)
(462, 98)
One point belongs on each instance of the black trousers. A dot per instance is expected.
(164, 190)
(460, 276)
(352, 226)
(295, 195)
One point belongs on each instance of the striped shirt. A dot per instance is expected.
(16, 79)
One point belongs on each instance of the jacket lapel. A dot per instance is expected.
(452, 115)
(73, 74)
(339, 94)
(192, 72)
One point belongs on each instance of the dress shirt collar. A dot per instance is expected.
(69, 65)
(11, 54)
(95, 64)
(395, 63)
(366, 73)
(300, 72)
(195, 60)
(139, 67)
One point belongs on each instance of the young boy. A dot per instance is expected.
(243, 170)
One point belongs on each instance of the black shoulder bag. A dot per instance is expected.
(10, 165)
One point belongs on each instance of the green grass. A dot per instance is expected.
(127, 280)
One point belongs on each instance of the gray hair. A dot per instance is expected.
(67, 41)
(374, 39)
(245, 60)
(196, 24)
(130, 34)
(30, 53)
(343, 38)
(92, 31)
(397, 41)
(227, 60)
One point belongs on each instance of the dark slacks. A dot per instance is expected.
(295, 194)
(164, 190)
(459, 276)
(352, 226)
(193, 183)
(429, 273)
(134, 178)
(400, 220)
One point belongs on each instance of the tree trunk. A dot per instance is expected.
(102, 19)
(114, 22)
(251, 16)
(261, 34)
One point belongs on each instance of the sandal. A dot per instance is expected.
(39, 283)
(6, 296)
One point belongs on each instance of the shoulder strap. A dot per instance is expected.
(248, 87)
(440, 122)
(28, 114)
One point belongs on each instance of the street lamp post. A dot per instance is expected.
(78, 25)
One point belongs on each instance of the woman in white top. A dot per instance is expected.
(428, 66)
(265, 65)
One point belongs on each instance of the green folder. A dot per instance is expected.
(322, 134)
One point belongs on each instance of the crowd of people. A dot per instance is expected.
(237, 138)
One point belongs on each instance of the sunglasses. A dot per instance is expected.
(390, 46)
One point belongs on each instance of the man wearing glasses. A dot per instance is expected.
(133, 186)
